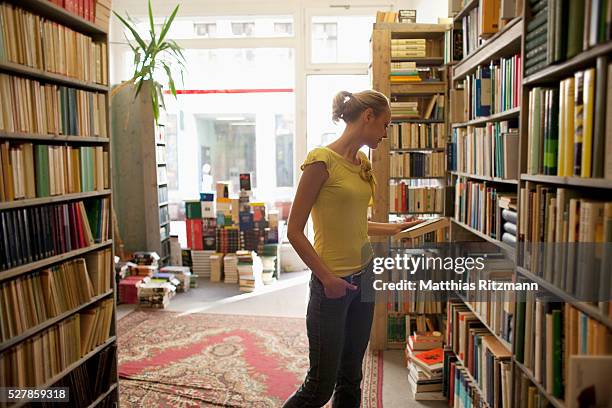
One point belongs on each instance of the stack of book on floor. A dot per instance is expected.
(405, 110)
(230, 268)
(268, 260)
(425, 364)
(201, 263)
(155, 294)
(182, 274)
(408, 48)
(128, 289)
(250, 270)
(216, 267)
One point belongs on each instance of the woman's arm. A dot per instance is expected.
(386, 229)
(313, 178)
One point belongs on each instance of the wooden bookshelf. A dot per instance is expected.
(382, 36)
(50, 11)
(496, 117)
(503, 341)
(484, 178)
(502, 245)
(581, 182)
(557, 403)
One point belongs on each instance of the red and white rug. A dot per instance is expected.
(169, 359)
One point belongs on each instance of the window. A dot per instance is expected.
(340, 39)
(283, 28)
(243, 29)
(205, 29)
(284, 150)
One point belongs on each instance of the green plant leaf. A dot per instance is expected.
(167, 25)
(155, 102)
(151, 21)
(132, 30)
(170, 80)
(138, 87)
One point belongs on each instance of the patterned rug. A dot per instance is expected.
(170, 359)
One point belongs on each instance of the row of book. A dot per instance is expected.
(417, 164)
(408, 72)
(28, 39)
(33, 170)
(30, 106)
(483, 362)
(559, 30)
(401, 324)
(489, 151)
(32, 233)
(477, 205)
(416, 135)
(565, 238)
(82, 8)
(37, 359)
(453, 45)
(32, 299)
(492, 89)
(406, 199)
(408, 48)
(549, 333)
(569, 131)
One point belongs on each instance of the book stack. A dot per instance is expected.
(488, 151)
(32, 233)
(425, 365)
(102, 13)
(230, 268)
(404, 72)
(201, 223)
(268, 260)
(418, 200)
(408, 48)
(250, 268)
(202, 263)
(216, 267)
(228, 239)
(128, 289)
(404, 110)
(568, 132)
(567, 240)
(155, 294)
(408, 135)
(416, 164)
(51, 109)
(182, 274)
(25, 39)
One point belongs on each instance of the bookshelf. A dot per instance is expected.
(141, 181)
(54, 208)
(537, 183)
(416, 133)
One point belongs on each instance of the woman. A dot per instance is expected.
(337, 185)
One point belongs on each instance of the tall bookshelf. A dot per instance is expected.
(384, 34)
(56, 147)
(139, 152)
(533, 182)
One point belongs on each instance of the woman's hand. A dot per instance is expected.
(335, 287)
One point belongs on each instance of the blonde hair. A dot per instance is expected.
(348, 106)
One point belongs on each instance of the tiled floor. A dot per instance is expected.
(287, 297)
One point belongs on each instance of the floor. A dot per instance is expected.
(287, 297)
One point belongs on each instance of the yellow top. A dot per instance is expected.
(339, 214)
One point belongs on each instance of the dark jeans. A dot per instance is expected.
(338, 335)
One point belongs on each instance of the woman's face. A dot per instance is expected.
(375, 127)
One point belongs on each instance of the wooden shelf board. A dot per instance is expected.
(17, 69)
(50, 322)
(484, 178)
(411, 30)
(103, 395)
(505, 43)
(424, 149)
(28, 202)
(396, 121)
(418, 178)
(20, 270)
(554, 73)
(484, 236)
(557, 403)
(503, 342)
(569, 181)
(53, 12)
(422, 88)
(70, 368)
(496, 117)
(465, 10)
(53, 138)
(586, 308)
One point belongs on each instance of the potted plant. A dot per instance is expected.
(158, 53)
